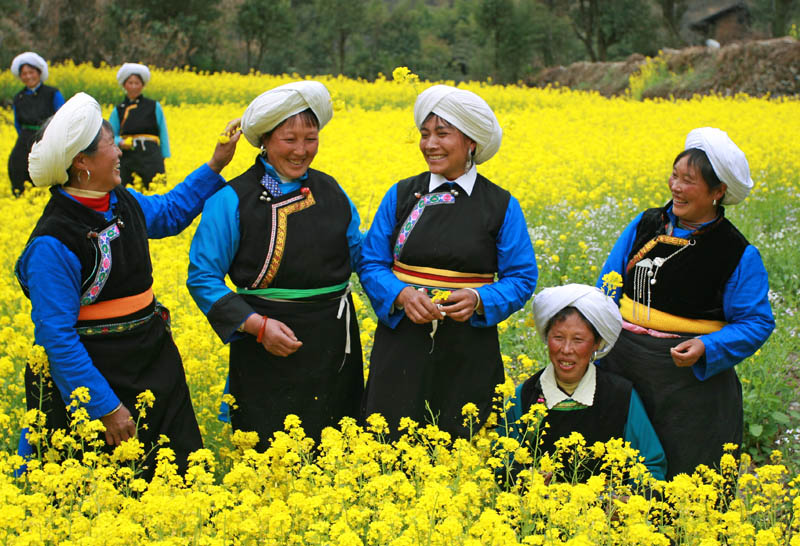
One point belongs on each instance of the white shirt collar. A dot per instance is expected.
(584, 392)
(466, 181)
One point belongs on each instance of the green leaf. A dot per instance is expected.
(782, 418)
(756, 429)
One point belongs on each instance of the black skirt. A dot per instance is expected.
(407, 379)
(18, 161)
(319, 383)
(132, 362)
(693, 418)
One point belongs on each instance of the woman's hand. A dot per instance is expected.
(460, 305)
(688, 352)
(226, 146)
(278, 339)
(418, 306)
(119, 426)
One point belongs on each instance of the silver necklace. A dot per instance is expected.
(644, 276)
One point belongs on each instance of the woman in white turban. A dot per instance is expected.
(139, 127)
(447, 229)
(694, 303)
(86, 269)
(32, 105)
(288, 238)
(580, 324)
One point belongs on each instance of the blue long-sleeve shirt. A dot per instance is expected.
(217, 239)
(52, 274)
(58, 102)
(163, 136)
(745, 304)
(516, 267)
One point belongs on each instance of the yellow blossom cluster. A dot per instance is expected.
(581, 166)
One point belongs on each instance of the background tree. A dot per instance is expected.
(601, 24)
(339, 19)
(266, 25)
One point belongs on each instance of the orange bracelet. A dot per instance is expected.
(263, 328)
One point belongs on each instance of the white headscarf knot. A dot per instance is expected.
(129, 69)
(270, 108)
(72, 129)
(465, 110)
(727, 160)
(33, 59)
(599, 310)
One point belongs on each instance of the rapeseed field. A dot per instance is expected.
(582, 166)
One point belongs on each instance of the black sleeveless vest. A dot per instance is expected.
(297, 240)
(603, 420)
(461, 236)
(691, 283)
(34, 109)
(77, 226)
(141, 118)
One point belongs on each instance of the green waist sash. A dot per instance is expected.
(292, 293)
(30, 127)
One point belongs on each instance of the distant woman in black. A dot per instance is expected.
(139, 127)
(32, 105)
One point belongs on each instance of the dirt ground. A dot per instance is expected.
(757, 68)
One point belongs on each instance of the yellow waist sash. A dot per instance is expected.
(665, 322)
(441, 278)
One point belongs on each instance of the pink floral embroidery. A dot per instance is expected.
(441, 198)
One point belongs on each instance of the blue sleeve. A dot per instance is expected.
(17, 126)
(51, 273)
(375, 266)
(113, 119)
(172, 212)
(748, 313)
(618, 257)
(516, 270)
(162, 131)
(642, 436)
(215, 244)
(354, 235)
(58, 100)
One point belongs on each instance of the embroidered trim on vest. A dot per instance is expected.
(104, 239)
(277, 239)
(441, 198)
(668, 239)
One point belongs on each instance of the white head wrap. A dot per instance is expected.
(272, 107)
(728, 161)
(33, 59)
(467, 111)
(129, 69)
(73, 127)
(599, 310)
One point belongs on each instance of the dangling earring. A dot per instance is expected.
(594, 357)
(88, 177)
(469, 163)
(714, 202)
(263, 151)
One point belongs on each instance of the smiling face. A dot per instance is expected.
(692, 200)
(102, 164)
(133, 86)
(571, 343)
(30, 76)
(292, 146)
(444, 147)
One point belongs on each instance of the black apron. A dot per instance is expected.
(692, 418)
